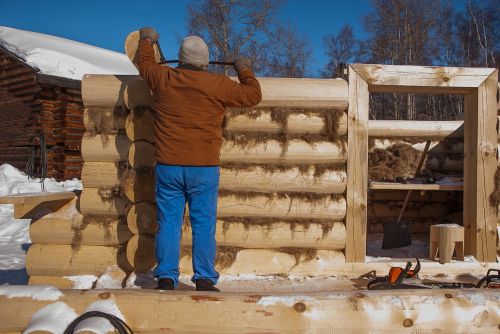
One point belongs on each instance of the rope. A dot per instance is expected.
(117, 323)
(33, 169)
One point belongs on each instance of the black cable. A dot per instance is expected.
(117, 323)
(33, 169)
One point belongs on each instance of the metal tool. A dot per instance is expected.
(175, 61)
(397, 234)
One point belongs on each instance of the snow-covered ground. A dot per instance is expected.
(63, 57)
(14, 236)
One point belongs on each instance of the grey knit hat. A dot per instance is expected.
(194, 51)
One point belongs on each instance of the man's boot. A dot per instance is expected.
(203, 284)
(165, 284)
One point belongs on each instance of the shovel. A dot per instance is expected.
(397, 234)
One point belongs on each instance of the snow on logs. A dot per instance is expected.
(342, 311)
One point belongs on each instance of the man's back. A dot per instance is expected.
(190, 105)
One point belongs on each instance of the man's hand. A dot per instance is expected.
(242, 63)
(150, 33)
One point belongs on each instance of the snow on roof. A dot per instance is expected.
(62, 57)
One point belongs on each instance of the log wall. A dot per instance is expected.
(31, 103)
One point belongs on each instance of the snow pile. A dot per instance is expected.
(14, 236)
(53, 318)
(63, 57)
(13, 181)
(35, 292)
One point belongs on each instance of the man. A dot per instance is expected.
(189, 107)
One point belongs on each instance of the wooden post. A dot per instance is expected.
(357, 168)
(480, 165)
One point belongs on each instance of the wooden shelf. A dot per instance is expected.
(26, 205)
(450, 186)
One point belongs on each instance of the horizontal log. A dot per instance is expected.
(296, 123)
(297, 151)
(62, 260)
(63, 232)
(112, 148)
(142, 153)
(141, 256)
(328, 236)
(258, 179)
(431, 129)
(105, 91)
(96, 174)
(416, 196)
(261, 206)
(94, 201)
(64, 282)
(137, 185)
(108, 174)
(104, 120)
(351, 311)
(108, 91)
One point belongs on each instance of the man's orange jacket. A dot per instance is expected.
(190, 106)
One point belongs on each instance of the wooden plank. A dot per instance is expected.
(455, 186)
(425, 79)
(421, 129)
(404, 311)
(480, 165)
(27, 205)
(357, 168)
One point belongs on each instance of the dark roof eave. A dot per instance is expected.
(58, 81)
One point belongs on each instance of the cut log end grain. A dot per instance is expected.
(95, 201)
(110, 148)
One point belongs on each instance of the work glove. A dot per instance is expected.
(150, 33)
(242, 63)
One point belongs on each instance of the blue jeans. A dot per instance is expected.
(198, 186)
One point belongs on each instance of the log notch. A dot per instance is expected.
(140, 124)
(138, 185)
(141, 218)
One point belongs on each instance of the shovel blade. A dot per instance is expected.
(396, 235)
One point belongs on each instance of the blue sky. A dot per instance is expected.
(107, 23)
